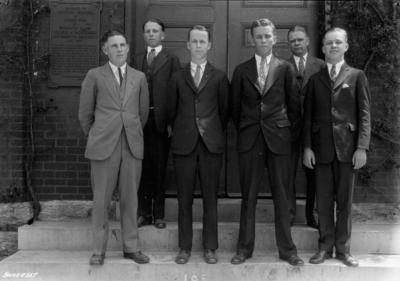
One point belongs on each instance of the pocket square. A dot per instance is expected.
(345, 85)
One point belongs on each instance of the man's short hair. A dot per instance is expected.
(201, 28)
(109, 34)
(157, 21)
(262, 22)
(333, 29)
(295, 29)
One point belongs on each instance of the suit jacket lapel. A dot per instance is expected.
(292, 61)
(273, 74)
(343, 74)
(109, 83)
(162, 58)
(310, 66)
(208, 72)
(128, 85)
(140, 60)
(252, 73)
(187, 75)
(324, 77)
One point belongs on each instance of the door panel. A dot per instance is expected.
(179, 16)
(284, 15)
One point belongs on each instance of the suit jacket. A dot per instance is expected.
(103, 115)
(165, 64)
(273, 111)
(337, 119)
(198, 112)
(313, 65)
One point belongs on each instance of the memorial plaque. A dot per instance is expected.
(74, 41)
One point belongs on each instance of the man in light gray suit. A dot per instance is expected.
(113, 110)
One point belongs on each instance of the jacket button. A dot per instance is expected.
(197, 118)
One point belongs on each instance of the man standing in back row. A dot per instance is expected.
(305, 66)
(265, 108)
(158, 66)
(337, 129)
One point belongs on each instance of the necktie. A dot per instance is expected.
(197, 76)
(301, 67)
(120, 76)
(151, 56)
(263, 74)
(333, 75)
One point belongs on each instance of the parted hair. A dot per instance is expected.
(295, 29)
(111, 34)
(201, 28)
(262, 22)
(157, 21)
(333, 29)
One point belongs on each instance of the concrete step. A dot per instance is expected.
(229, 210)
(77, 236)
(62, 266)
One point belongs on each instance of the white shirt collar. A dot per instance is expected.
(297, 59)
(338, 66)
(157, 49)
(193, 66)
(258, 59)
(115, 68)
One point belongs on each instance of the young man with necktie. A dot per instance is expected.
(265, 107)
(158, 65)
(337, 129)
(113, 109)
(198, 114)
(305, 66)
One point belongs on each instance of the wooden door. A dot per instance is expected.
(179, 16)
(284, 15)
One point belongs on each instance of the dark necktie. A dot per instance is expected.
(301, 67)
(120, 76)
(333, 75)
(197, 76)
(151, 56)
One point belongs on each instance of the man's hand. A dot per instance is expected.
(169, 129)
(359, 158)
(308, 158)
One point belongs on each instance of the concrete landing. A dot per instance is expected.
(77, 236)
(61, 266)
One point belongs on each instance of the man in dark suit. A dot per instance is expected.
(265, 104)
(113, 110)
(305, 66)
(158, 65)
(198, 114)
(337, 132)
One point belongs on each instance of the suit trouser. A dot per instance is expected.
(151, 195)
(208, 165)
(252, 163)
(310, 207)
(122, 168)
(335, 183)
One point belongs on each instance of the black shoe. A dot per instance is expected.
(347, 259)
(160, 223)
(240, 258)
(320, 257)
(293, 260)
(313, 224)
(210, 256)
(97, 259)
(144, 220)
(137, 257)
(182, 257)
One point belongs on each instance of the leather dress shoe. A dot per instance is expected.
(320, 257)
(97, 259)
(182, 257)
(210, 256)
(240, 258)
(144, 220)
(160, 223)
(293, 260)
(137, 257)
(347, 259)
(313, 224)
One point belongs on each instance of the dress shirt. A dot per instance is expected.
(338, 67)
(193, 68)
(297, 60)
(115, 71)
(156, 52)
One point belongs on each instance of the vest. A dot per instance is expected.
(148, 70)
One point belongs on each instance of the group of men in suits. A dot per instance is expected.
(129, 115)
